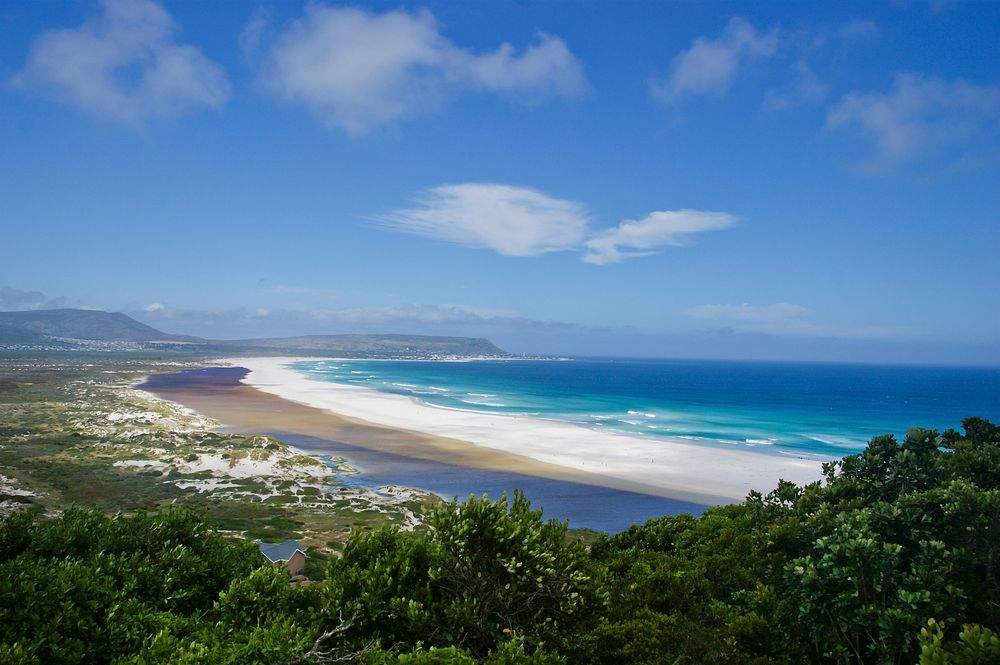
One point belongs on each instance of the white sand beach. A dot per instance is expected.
(670, 465)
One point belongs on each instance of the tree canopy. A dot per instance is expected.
(893, 558)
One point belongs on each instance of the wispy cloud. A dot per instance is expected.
(918, 115)
(433, 315)
(667, 228)
(124, 65)
(786, 319)
(512, 221)
(254, 33)
(942, 6)
(404, 318)
(710, 65)
(198, 321)
(806, 87)
(12, 299)
(301, 291)
(858, 29)
(358, 70)
(520, 221)
(781, 311)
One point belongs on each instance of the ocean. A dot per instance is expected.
(802, 409)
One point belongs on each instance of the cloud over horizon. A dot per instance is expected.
(15, 300)
(521, 221)
(357, 69)
(780, 311)
(414, 318)
(124, 65)
(789, 320)
(784, 323)
(308, 292)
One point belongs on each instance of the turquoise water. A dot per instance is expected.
(824, 410)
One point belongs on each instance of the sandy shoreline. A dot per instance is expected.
(674, 467)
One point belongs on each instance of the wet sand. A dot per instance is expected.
(444, 466)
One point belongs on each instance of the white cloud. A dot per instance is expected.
(781, 311)
(918, 114)
(125, 66)
(154, 307)
(710, 66)
(520, 221)
(512, 221)
(358, 70)
(546, 67)
(654, 231)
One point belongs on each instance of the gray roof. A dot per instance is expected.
(276, 552)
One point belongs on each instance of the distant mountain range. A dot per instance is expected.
(68, 329)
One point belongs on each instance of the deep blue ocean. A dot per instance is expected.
(826, 410)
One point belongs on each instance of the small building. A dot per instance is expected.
(291, 554)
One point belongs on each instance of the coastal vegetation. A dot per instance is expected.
(891, 558)
(73, 431)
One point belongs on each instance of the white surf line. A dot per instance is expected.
(665, 463)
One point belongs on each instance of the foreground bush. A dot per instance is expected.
(85, 588)
(847, 571)
(893, 558)
(487, 572)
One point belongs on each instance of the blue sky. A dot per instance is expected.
(739, 180)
